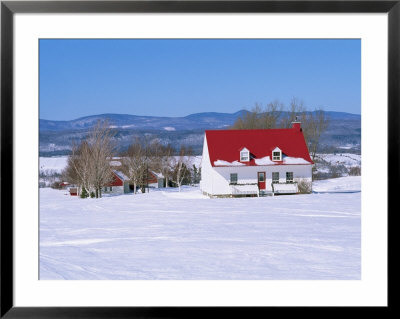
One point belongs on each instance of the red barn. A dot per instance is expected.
(119, 184)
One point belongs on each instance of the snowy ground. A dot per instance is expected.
(56, 164)
(171, 235)
(346, 159)
(338, 185)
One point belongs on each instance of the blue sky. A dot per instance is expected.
(181, 77)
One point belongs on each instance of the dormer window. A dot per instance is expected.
(276, 154)
(244, 155)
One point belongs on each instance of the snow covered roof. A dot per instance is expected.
(225, 163)
(121, 176)
(285, 160)
(158, 175)
(223, 146)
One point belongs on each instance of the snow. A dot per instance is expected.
(346, 159)
(122, 126)
(285, 160)
(166, 234)
(191, 160)
(60, 162)
(285, 188)
(294, 160)
(53, 163)
(121, 175)
(341, 184)
(158, 175)
(196, 160)
(225, 163)
(347, 147)
(241, 189)
(265, 161)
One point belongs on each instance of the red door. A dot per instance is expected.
(261, 180)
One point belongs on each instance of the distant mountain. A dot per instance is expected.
(56, 137)
(209, 120)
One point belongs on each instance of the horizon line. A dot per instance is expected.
(161, 116)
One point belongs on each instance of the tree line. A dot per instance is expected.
(89, 164)
(276, 115)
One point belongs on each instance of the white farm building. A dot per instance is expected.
(255, 162)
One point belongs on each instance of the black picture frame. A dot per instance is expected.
(9, 8)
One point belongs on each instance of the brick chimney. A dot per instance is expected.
(296, 125)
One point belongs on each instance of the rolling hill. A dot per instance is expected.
(56, 137)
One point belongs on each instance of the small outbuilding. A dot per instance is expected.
(155, 180)
(64, 185)
(73, 191)
(119, 184)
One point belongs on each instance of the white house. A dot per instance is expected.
(255, 162)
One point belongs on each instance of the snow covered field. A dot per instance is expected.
(56, 164)
(346, 159)
(342, 184)
(165, 234)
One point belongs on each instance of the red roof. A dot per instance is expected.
(225, 145)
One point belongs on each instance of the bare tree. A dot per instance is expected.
(102, 150)
(196, 174)
(260, 118)
(78, 170)
(249, 120)
(166, 162)
(316, 123)
(296, 112)
(134, 163)
(88, 165)
(181, 164)
(271, 115)
(154, 155)
(313, 123)
(69, 173)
